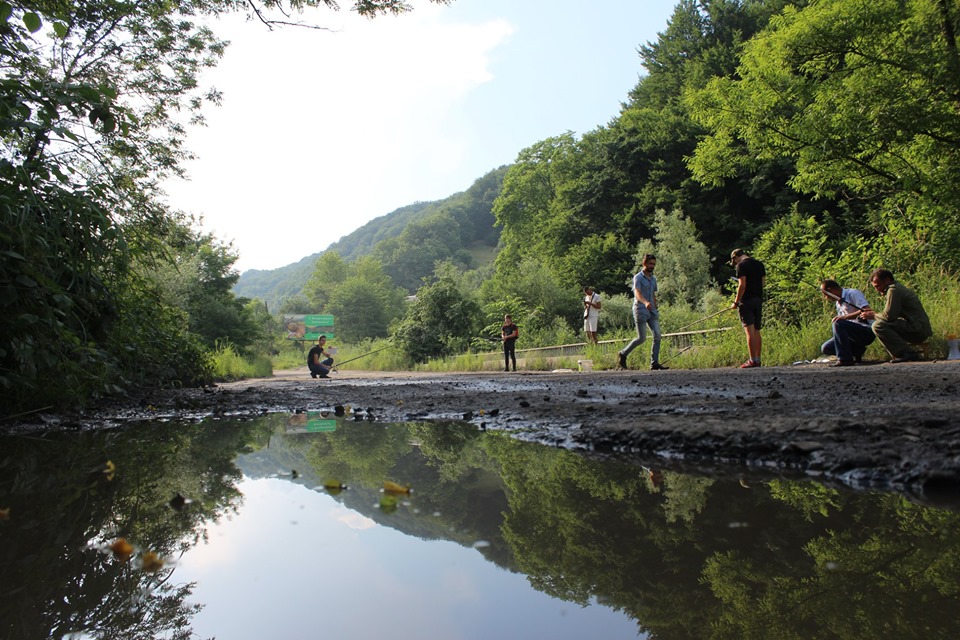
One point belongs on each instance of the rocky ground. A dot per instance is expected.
(883, 425)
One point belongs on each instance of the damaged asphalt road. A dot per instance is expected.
(885, 426)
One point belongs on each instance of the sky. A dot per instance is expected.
(295, 563)
(321, 131)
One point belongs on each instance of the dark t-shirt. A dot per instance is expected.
(754, 271)
(507, 330)
(315, 350)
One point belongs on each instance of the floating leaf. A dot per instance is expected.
(122, 550)
(394, 488)
(388, 503)
(109, 470)
(152, 562)
(5, 514)
(32, 22)
(334, 487)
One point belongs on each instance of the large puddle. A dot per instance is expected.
(239, 529)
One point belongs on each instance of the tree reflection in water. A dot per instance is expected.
(685, 556)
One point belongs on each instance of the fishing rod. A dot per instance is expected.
(713, 315)
(369, 353)
(835, 297)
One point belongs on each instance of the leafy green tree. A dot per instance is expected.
(683, 264)
(862, 99)
(366, 303)
(544, 300)
(198, 278)
(329, 272)
(411, 256)
(442, 320)
(94, 101)
(598, 261)
(530, 207)
(296, 305)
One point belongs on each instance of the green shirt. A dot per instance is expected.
(904, 303)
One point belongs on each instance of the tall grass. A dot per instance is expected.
(229, 365)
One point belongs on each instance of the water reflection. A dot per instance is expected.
(497, 538)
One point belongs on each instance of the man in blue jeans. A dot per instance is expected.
(852, 333)
(645, 313)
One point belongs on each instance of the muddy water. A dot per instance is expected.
(240, 529)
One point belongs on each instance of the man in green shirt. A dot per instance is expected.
(903, 322)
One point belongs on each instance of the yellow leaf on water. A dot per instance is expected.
(122, 550)
(152, 562)
(393, 487)
(109, 469)
(333, 487)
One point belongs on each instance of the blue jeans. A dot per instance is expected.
(850, 340)
(643, 319)
(321, 369)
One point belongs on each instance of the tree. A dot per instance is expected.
(95, 98)
(442, 320)
(329, 272)
(683, 263)
(862, 98)
(366, 302)
(412, 255)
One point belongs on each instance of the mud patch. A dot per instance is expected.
(893, 426)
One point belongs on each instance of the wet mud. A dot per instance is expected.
(885, 426)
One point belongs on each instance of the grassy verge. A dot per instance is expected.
(783, 343)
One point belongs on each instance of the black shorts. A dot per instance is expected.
(751, 312)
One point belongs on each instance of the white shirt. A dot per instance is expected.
(592, 312)
(850, 300)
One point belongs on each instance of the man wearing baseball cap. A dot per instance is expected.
(751, 277)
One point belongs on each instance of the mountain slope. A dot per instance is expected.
(469, 212)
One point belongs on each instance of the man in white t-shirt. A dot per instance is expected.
(851, 332)
(591, 313)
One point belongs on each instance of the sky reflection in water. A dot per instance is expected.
(499, 539)
(295, 563)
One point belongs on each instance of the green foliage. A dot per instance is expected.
(597, 261)
(442, 320)
(683, 264)
(294, 305)
(536, 296)
(101, 286)
(360, 295)
(861, 97)
(329, 271)
(227, 364)
(808, 498)
(198, 278)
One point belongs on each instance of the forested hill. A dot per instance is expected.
(275, 285)
(408, 241)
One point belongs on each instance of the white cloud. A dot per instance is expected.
(352, 519)
(322, 131)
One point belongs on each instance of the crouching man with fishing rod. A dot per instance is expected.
(319, 367)
(852, 332)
